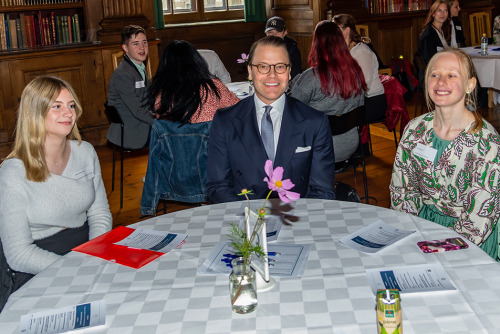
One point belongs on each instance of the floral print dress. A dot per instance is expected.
(462, 184)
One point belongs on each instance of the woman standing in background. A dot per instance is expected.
(457, 38)
(375, 100)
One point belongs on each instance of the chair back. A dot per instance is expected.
(340, 124)
(419, 64)
(479, 24)
(118, 57)
(112, 114)
(362, 30)
(386, 71)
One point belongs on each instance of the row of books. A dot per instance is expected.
(396, 6)
(28, 31)
(33, 2)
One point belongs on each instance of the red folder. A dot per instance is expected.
(103, 247)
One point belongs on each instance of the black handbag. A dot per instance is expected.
(345, 192)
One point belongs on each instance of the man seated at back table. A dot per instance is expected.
(269, 125)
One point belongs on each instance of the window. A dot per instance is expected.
(177, 11)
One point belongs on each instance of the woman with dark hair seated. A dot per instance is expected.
(375, 100)
(185, 97)
(334, 83)
(183, 90)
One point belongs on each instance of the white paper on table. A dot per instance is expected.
(291, 261)
(418, 278)
(162, 242)
(374, 237)
(64, 319)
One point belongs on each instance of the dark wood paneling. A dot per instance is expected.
(228, 40)
(87, 69)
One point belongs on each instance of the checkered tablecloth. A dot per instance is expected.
(333, 296)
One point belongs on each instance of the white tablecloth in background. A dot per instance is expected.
(169, 296)
(487, 67)
(240, 88)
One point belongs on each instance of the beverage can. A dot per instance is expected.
(389, 319)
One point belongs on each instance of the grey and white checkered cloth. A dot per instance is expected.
(333, 296)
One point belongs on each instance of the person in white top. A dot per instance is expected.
(215, 65)
(457, 39)
(52, 196)
(375, 100)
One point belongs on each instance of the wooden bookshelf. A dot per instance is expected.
(40, 23)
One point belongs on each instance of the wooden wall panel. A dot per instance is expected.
(82, 70)
(228, 40)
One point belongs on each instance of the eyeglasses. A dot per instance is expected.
(279, 68)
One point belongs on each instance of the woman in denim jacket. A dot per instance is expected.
(185, 97)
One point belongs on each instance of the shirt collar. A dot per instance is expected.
(278, 105)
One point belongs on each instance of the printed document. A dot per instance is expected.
(418, 278)
(374, 237)
(64, 319)
(162, 242)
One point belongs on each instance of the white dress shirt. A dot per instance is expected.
(276, 115)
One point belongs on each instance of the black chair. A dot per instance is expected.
(340, 124)
(380, 120)
(419, 64)
(114, 117)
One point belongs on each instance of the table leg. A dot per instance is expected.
(491, 93)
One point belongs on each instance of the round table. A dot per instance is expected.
(169, 296)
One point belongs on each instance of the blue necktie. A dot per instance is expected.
(266, 132)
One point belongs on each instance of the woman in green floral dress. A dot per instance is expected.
(447, 165)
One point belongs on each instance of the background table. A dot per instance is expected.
(169, 296)
(487, 69)
(240, 88)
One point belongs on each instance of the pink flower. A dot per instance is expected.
(275, 183)
(244, 58)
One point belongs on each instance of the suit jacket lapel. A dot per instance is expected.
(245, 125)
(293, 128)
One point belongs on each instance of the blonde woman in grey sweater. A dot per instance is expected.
(52, 196)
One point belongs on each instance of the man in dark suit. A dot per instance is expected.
(128, 91)
(269, 125)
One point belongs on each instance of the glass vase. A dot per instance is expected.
(242, 287)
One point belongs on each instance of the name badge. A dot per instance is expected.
(425, 152)
(84, 175)
(458, 28)
(140, 84)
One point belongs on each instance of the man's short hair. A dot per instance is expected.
(268, 40)
(131, 31)
(275, 23)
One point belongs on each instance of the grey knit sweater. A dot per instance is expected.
(306, 87)
(34, 210)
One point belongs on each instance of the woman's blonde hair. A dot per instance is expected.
(466, 72)
(36, 100)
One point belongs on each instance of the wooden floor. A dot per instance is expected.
(378, 166)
